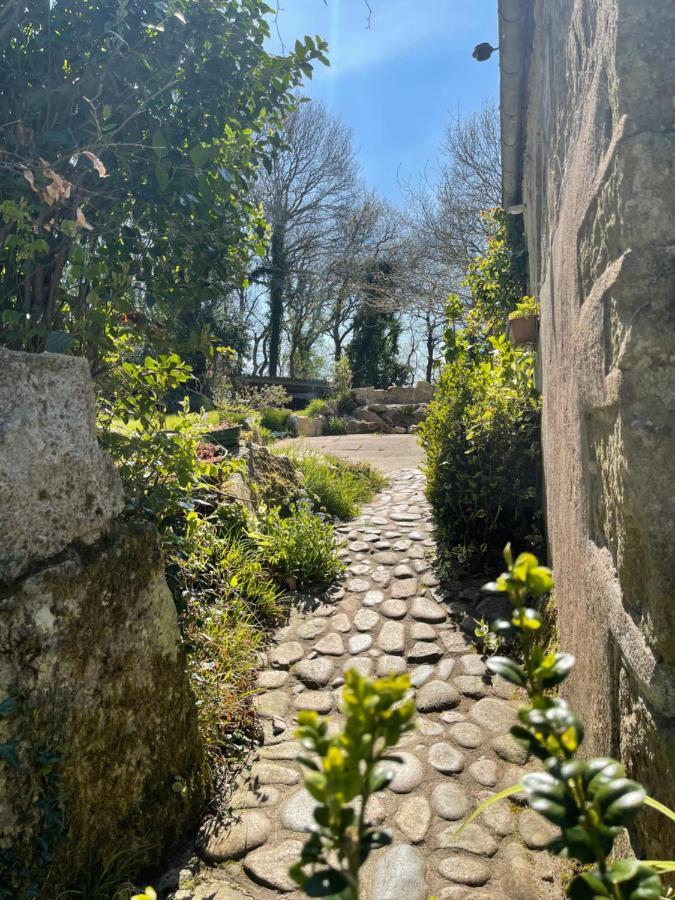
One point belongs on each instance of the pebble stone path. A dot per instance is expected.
(386, 618)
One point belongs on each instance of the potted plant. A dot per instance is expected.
(524, 322)
(225, 435)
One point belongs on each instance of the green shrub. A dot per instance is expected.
(275, 419)
(338, 487)
(314, 408)
(352, 765)
(301, 549)
(526, 308)
(590, 801)
(481, 435)
(481, 438)
(333, 425)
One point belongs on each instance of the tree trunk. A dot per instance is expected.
(277, 281)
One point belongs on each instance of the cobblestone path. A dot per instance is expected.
(386, 618)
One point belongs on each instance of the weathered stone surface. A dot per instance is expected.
(331, 645)
(390, 665)
(436, 696)
(485, 771)
(359, 643)
(607, 366)
(446, 758)
(319, 701)
(450, 801)
(47, 413)
(363, 666)
(445, 668)
(286, 654)
(272, 678)
(297, 813)
(414, 817)
(366, 620)
(314, 672)
(471, 686)
(341, 623)
(272, 704)
(251, 797)
(217, 843)
(422, 631)
(465, 870)
(391, 638)
(424, 652)
(466, 735)
(425, 610)
(495, 715)
(394, 609)
(284, 750)
(408, 773)
(373, 597)
(536, 832)
(400, 872)
(125, 720)
(472, 664)
(509, 749)
(272, 773)
(404, 587)
(357, 585)
(472, 838)
(403, 571)
(420, 675)
(269, 865)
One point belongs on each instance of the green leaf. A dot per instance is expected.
(508, 669)
(58, 342)
(486, 804)
(325, 883)
(659, 807)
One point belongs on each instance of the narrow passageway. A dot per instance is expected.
(388, 616)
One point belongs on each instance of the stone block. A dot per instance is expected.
(56, 484)
(400, 395)
(91, 650)
(424, 391)
(306, 426)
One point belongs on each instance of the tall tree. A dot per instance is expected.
(131, 137)
(305, 189)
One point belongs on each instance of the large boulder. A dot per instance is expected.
(355, 426)
(400, 395)
(56, 484)
(366, 395)
(424, 391)
(306, 426)
(271, 476)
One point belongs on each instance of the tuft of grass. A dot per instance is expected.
(338, 487)
(314, 408)
(275, 419)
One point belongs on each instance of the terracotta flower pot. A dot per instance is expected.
(524, 330)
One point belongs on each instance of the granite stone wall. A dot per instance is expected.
(599, 208)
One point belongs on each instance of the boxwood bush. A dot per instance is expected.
(482, 433)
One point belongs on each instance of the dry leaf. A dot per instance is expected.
(96, 163)
(30, 178)
(81, 221)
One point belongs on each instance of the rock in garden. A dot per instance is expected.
(249, 797)
(217, 843)
(390, 665)
(297, 814)
(373, 597)
(425, 610)
(466, 735)
(472, 664)
(408, 773)
(331, 645)
(366, 619)
(536, 832)
(450, 801)
(272, 678)
(471, 686)
(508, 749)
(403, 571)
(422, 631)
(359, 643)
(420, 675)
(314, 672)
(357, 585)
(461, 869)
(413, 818)
(392, 637)
(269, 866)
(495, 715)
(406, 587)
(446, 758)
(286, 654)
(270, 773)
(272, 705)
(485, 771)
(436, 696)
(341, 622)
(399, 874)
(285, 750)
(394, 609)
(424, 652)
(311, 629)
(472, 838)
(363, 666)
(317, 701)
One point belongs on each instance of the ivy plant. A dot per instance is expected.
(351, 766)
(590, 801)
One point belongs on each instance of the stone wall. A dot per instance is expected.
(101, 722)
(599, 195)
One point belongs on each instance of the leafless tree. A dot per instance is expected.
(305, 192)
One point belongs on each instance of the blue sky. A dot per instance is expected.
(397, 84)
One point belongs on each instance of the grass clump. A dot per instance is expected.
(301, 549)
(337, 487)
(314, 408)
(275, 419)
